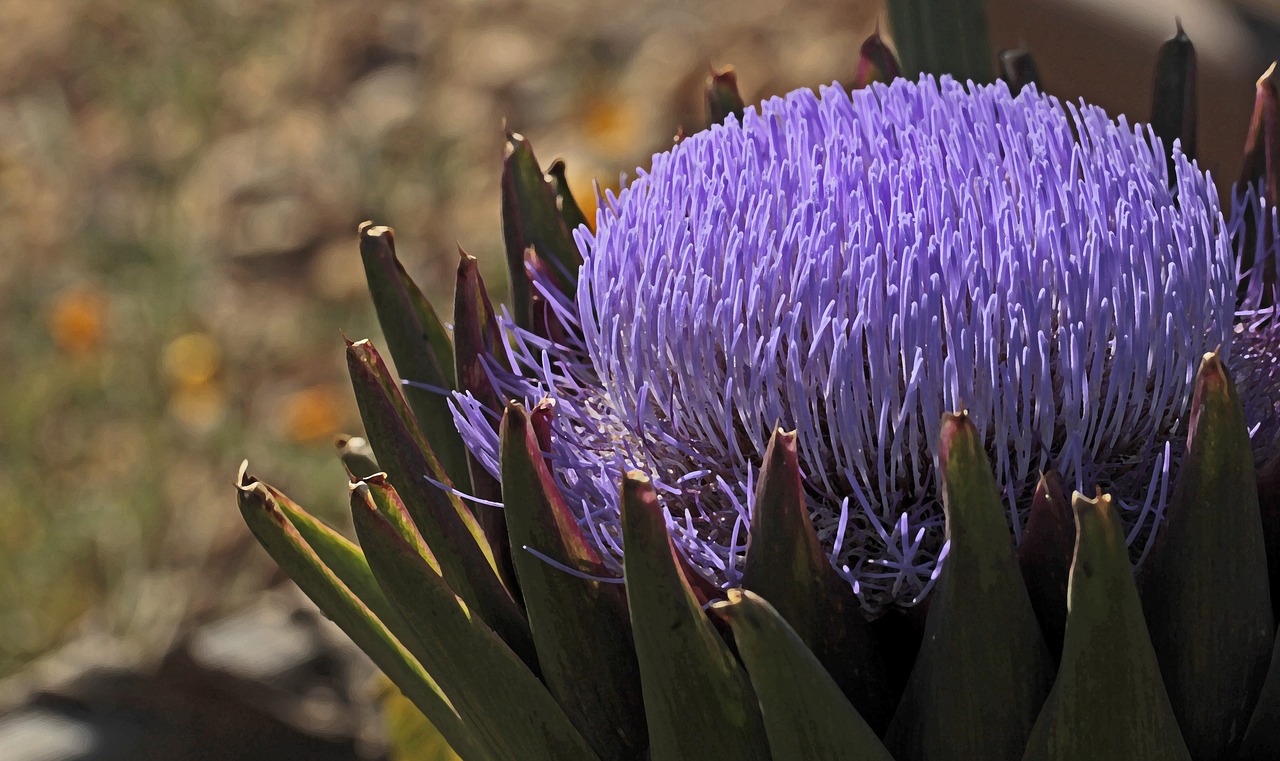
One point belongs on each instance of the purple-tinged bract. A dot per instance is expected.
(853, 266)
(1255, 231)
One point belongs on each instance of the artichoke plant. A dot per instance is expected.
(772, 458)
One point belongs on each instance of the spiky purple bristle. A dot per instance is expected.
(853, 267)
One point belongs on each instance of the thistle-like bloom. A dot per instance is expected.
(853, 266)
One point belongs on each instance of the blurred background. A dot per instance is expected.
(180, 185)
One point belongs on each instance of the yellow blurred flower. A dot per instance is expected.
(612, 126)
(198, 407)
(191, 363)
(192, 360)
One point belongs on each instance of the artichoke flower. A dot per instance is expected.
(772, 461)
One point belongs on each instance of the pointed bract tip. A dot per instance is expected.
(361, 495)
(1101, 503)
(725, 74)
(732, 606)
(514, 420)
(515, 141)
(1177, 22)
(254, 492)
(1050, 482)
(243, 479)
(1265, 80)
(954, 426)
(876, 62)
(1213, 372)
(379, 479)
(785, 439)
(370, 230)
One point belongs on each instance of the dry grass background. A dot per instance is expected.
(179, 189)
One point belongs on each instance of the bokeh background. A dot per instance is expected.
(180, 185)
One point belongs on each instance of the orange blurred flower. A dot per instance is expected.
(77, 319)
(314, 414)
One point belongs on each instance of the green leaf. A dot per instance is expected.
(465, 555)
(785, 562)
(722, 96)
(1108, 700)
(1173, 101)
(698, 701)
(530, 219)
(511, 713)
(262, 513)
(569, 209)
(419, 345)
(1205, 588)
(1044, 556)
(806, 714)
(876, 63)
(941, 37)
(983, 669)
(580, 627)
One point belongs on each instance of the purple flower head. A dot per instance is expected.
(853, 266)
